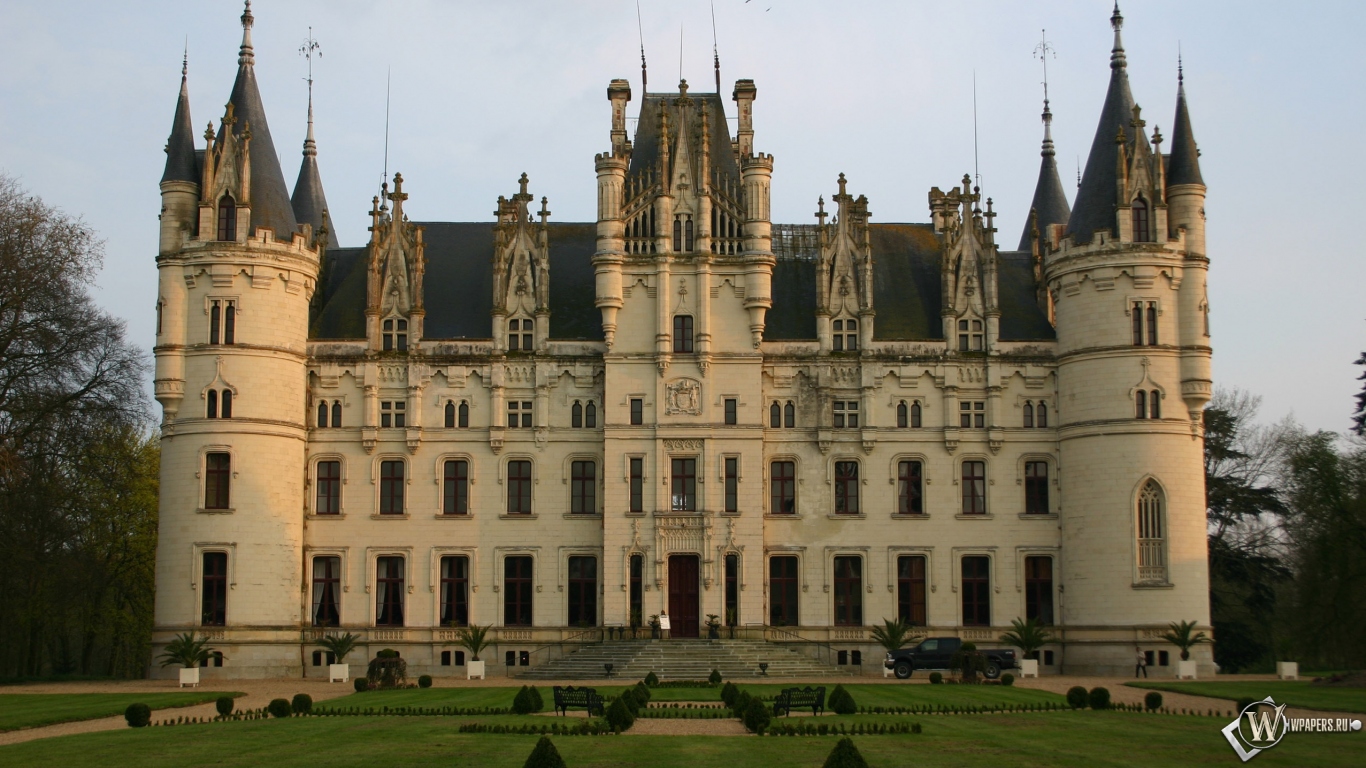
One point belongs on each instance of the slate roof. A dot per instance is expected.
(1095, 205)
(182, 163)
(308, 201)
(1183, 167)
(1050, 200)
(270, 205)
(645, 149)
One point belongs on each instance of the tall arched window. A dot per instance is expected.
(775, 416)
(1139, 208)
(1152, 538)
(1028, 415)
(915, 415)
(687, 235)
(226, 405)
(789, 415)
(450, 415)
(1141, 404)
(678, 234)
(227, 218)
(336, 413)
(590, 415)
(902, 415)
(464, 415)
(1041, 416)
(576, 416)
(1154, 405)
(212, 411)
(322, 414)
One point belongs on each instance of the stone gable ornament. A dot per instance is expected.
(683, 396)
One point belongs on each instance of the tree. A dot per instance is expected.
(473, 639)
(339, 645)
(1029, 636)
(894, 634)
(188, 650)
(1182, 634)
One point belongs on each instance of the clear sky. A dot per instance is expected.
(881, 91)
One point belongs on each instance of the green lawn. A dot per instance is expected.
(1297, 693)
(1083, 739)
(27, 710)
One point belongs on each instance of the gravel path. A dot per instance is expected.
(1124, 694)
(679, 727)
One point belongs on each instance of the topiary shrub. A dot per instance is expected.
(652, 679)
(544, 756)
(223, 705)
(845, 755)
(840, 702)
(280, 708)
(1076, 697)
(138, 715)
(936, 678)
(629, 698)
(728, 693)
(361, 684)
(521, 703)
(387, 669)
(537, 703)
(715, 677)
(642, 694)
(619, 715)
(741, 703)
(1007, 679)
(1153, 700)
(302, 704)
(757, 716)
(424, 681)
(1099, 698)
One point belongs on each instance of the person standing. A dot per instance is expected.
(1141, 662)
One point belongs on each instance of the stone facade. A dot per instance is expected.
(1033, 449)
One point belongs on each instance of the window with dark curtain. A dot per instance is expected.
(687, 235)
(1041, 416)
(214, 600)
(1140, 218)
(846, 488)
(455, 496)
(391, 487)
(211, 398)
(683, 333)
(1154, 405)
(976, 591)
(782, 479)
(576, 416)
(1036, 488)
(1152, 324)
(915, 415)
(450, 415)
(910, 499)
(1137, 313)
(637, 590)
(730, 407)
(974, 488)
(229, 323)
(775, 416)
(225, 404)
(637, 411)
(683, 479)
(217, 478)
(732, 483)
(848, 592)
(1039, 589)
(455, 591)
(1028, 416)
(583, 591)
(389, 592)
(322, 414)
(590, 416)
(582, 488)
(1141, 404)
(678, 235)
(783, 589)
(637, 485)
(519, 488)
(902, 415)
(336, 414)
(464, 414)
(517, 591)
(732, 617)
(329, 488)
(326, 590)
(789, 415)
(910, 589)
(227, 219)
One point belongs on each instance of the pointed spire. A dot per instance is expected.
(308, 202)
(1095, 204)
(181, 162)
(1183, 167)
(1050, 201)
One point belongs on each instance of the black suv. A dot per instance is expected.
(937, 653)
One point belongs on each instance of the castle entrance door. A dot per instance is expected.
(683, 595)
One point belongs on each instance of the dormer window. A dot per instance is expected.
(227, 218)
(1139, 211)
(970, 336)
(845, 337)
(395, 335)
(521, 335)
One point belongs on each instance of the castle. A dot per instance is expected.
(683, 408)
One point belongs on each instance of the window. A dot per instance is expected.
(910, 589)
(1152, 323)
(395, 336)
(782, 479)
(326, 590)
(519, 487)
(683, 333)
(517, 591)
(970, 336)
(1154, 405)
(1147, 405)
(229, 323)
(1141, 404)
(910, 498)
(455, 491)
(1041, 415)
(683, 477)
(915, 415)
(1036, 488)
(521, 335)
(902, 415)
(455, 591)
(322, 414)
(1150, 312)
(391, 487)
(976, 591)
(227, 219)
(389, 591)
(775, 416)
(590, 415)
(583, 591)
(848, 592)
(972, 415)
(1028, 416)
(393, 413)
(637, 590)
(450, 415)
(1139, 210)
(732, 616)
(462, 415)
(336, 413)
(846, 414)
(731, 467)
(214, 584)
(217, 478)
(519, 414)
(782, 591)
(974, 488)
(211, 404)
(846, 488)
(687, 235)
(1137, 316)
(636, 491)
(678, 234)
(576, 416)
(1152, 541)
(329, 488)
(789, 415)
(637, 411)
(225, 404)
(222, 321)
(730, 415)
(582, 487)
(1039, 589)
(845, 337)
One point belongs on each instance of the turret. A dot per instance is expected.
(1049, 205)
(308, 201)
(179, 223)
(1186, 216)
(611, 167)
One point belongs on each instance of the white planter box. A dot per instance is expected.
(1029, 667)
(338, 673)
(474, 669)
(189, 676)
(1185, 670)
(1288, 670)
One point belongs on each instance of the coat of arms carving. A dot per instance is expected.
(683, 396)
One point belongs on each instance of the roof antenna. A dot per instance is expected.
(644, 78)
(1078, 171)
(185, 60)
(715, 57)
(1042, 52)
(975, 168)
(680, 53)
(309, 48)
(384, 180)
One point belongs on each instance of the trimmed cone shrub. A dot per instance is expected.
(223, 705)
(936, 678)
(537, 703)
(302, 704)
(138, 715)
(715, 677)
(521, 703)
(1099, 698)
(1154, 700)
(1076, 697)
(1007, 679)
(845, 755)
(840, 702)
(728, 693)
(544, 755)
(628, 696)
(642, 693)
(652, 679)
(280, 708)
(619, 715)
(757, 716)
(424, 682)
(741, 703)
(361, 684)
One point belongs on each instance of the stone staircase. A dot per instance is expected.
(681, 660)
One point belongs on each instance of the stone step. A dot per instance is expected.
(681, 660)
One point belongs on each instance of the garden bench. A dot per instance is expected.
(570, 696)
(800, 697)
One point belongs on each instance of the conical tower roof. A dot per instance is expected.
(181, 162)
(1183, 167)
(309, 203)
(1050, 201)
(1095, 208)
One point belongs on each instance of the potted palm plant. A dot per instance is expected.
(654, 626)
(474, 639)
(713, 627)
(338, 646)
(731, 620)
(893, 635)
(1029, 636)
(189, 651)
(1182, 634)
